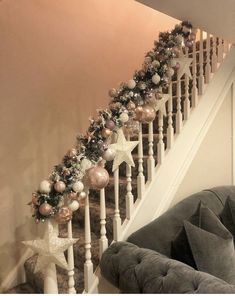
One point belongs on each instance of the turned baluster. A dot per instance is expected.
(71, 282)
(194, 74)
(170, 129)
(201, 75)
(220, 50)
(226, 46)
(103, 242)
(186, 99)
(208, 64)
(140, 177)
(129, 195)
(160, 144)
(178, 112)
(116, 218)
(88, 265)
(151, 161)
(214, 59)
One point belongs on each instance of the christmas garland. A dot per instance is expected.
(132, 102)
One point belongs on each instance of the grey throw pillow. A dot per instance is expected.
(228, 215)
(212, 246)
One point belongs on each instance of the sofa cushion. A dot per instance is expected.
(212, 253)
(228, 215)
(208, 245)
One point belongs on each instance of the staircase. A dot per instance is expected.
(122, 196)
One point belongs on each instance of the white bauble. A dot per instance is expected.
(124, 117)
(85, 164)
(155, 64)
(170, 72)
(82, 195)
(45, 186)
(74, 205)
(156, 79)
(109, 154)
(78, 186)
(131, 84)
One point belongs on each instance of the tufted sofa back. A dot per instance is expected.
(158, 234)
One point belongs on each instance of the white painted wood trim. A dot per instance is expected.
(233, 131)
(169, 175)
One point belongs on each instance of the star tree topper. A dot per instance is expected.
(184, 66)
(50, 249)
(123, 150)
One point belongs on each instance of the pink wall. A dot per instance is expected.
(58, 58)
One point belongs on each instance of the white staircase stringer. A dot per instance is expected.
(168, 176)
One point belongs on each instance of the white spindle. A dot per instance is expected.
(226, 46)
(208, 62)
(214, 58)
(160, 144)
(201, 75)
(178, 112)
(194, 74)
(151, 161)
(71, 282)
(170, 129)
(186, 99)
(103, 238)
(220, 50)
(116, 218)
(140, 177)
(88, 265)
(129, 195)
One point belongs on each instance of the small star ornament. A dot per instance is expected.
(184, 66)
(123, 150)
(161, 104)
(50, 249)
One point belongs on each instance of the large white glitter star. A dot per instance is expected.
(123, 150)
(161, 104)
(50, 249)
(184, 66)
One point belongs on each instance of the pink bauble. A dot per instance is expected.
(139, 113)
(112, 92)
(110, 124)
(106, 132)
(72, 195)
(59, 186)
(64, 215)
(45, 209)
(149, 113)
(177, 66)
(97, 177)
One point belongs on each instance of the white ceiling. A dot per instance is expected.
(214, 16)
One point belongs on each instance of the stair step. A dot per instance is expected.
(24, 288)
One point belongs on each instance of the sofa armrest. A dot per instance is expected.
(137, 270)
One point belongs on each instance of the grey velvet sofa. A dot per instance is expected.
(143, 264)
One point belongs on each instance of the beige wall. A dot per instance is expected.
(212, 165)
(58, 58)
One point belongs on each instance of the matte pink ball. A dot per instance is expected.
(45, 209)
(97, 177)
(59, 186)
(110, 124)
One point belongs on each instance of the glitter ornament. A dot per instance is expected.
(59, 186)
(72, 195)
(78, 186)
(131, 105)
(131, 84)
(97, 177)
(170, 72)
(45, 186)
(74, 205)
(124, 117)
(45, 209)
(142, 85)
(155, 64)
(85, 164)
(109, 154)
(112, 92)
(156, 79)
(64, 215)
